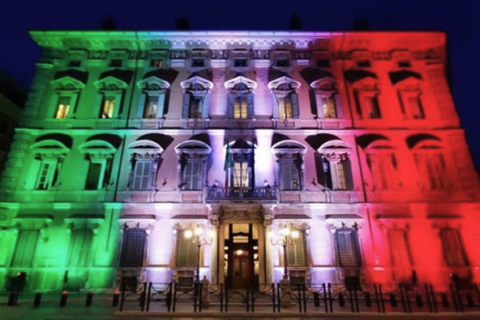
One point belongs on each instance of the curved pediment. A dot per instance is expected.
(288, 146)
(406, 76)
(153, 83)
(144, 146)
(196, 80)
(97, 146)
(193, 146)
(110, 83)
(67, 83)
(49, 146)
(334, 145)
(284, 81)
(423, 140)
(240, 80)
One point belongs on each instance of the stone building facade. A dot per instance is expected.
(242, 157)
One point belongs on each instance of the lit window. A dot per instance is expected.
(196, 98)
(195, 107)
(296, 256)
(347, 248)
(108, 107)
(241, 175)
(452, 248)
(157, 63)
(133, 247)
(186, 253)
(63, 106)
(25, 249)
(240, 109)
(328, 107)
(151, 107)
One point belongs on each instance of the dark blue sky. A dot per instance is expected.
(460, 19)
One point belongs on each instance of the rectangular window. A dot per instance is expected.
(63, 106)
(296, 251)
(198, 62)
(115, 63)
(25, 249)
(414, 106)
(431, 170)
(323, 63)
(404, 64)
(94, 176)
(108, 107)
(452, 248)
(241, 175)
(364, 64)
(45, 175)
(186, 252)
(80, 248)
(282, 62)
(156, 63)
(328, 107)
(142, 175)
(290, 177)
(371, 107)
(195, 107)
(347, 248)
(151, 107)
(399, 248)
(240, 107)
(133, 247)
(74, 63)
(285, 106)
(192, 175)
(240, 62)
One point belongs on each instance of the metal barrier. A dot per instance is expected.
(321, 298)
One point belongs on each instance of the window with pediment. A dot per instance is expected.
(326, 98)
(429, 158)
(134, 243)
(239, 166)
(145, 158)
(110, 97)
(289, 156)
(152, 98)
(240, 103)
(409, 90)
(336, 167)
(285, 98)
(365, 92)
(192, 158)
(100, 160)
(399, 248)
(50, 155)
(67, 93)
(196, 97)
(186, 252)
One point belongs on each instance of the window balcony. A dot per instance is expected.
(241, 193)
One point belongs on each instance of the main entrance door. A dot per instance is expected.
(241, 248)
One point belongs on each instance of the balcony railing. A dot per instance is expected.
(242, 193)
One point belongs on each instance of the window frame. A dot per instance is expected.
(353, 252)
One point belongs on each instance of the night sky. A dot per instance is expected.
(460, 19)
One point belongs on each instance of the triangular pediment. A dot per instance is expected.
(230, 84)
(196, 80)
(67, 83)
(153, 83)
(284, 80)
(110, 83)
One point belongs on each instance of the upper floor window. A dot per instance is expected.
(347, 248)
(285, 98)
(281, 58)
(240, 62)
(196, 97)
(239, 166)
(322, 63)
(51, 155)
(100, 156)
(326, 98)
(197, 60)
(152, 100)
(115, 63)
(289, 156)
(109, 97)
(157, 63)
(193, 157)
(336, 167)
(75, 63)
(452, 248)
(364, 64)
(67, 92)
(404, 64)
(145, 157)
(240, 102)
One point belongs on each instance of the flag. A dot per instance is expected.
(228, 164)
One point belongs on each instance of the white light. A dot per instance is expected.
(239, 252)
(188, 234)
(285, 231)
(198, 231)
(295, 234)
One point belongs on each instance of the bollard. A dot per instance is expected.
(37, 299)
(368, 299)
(116, 298)
(88, 302)
(63, 298)
(316, 299)
(12, 298)
(341, 300)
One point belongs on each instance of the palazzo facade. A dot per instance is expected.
(245, 156)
